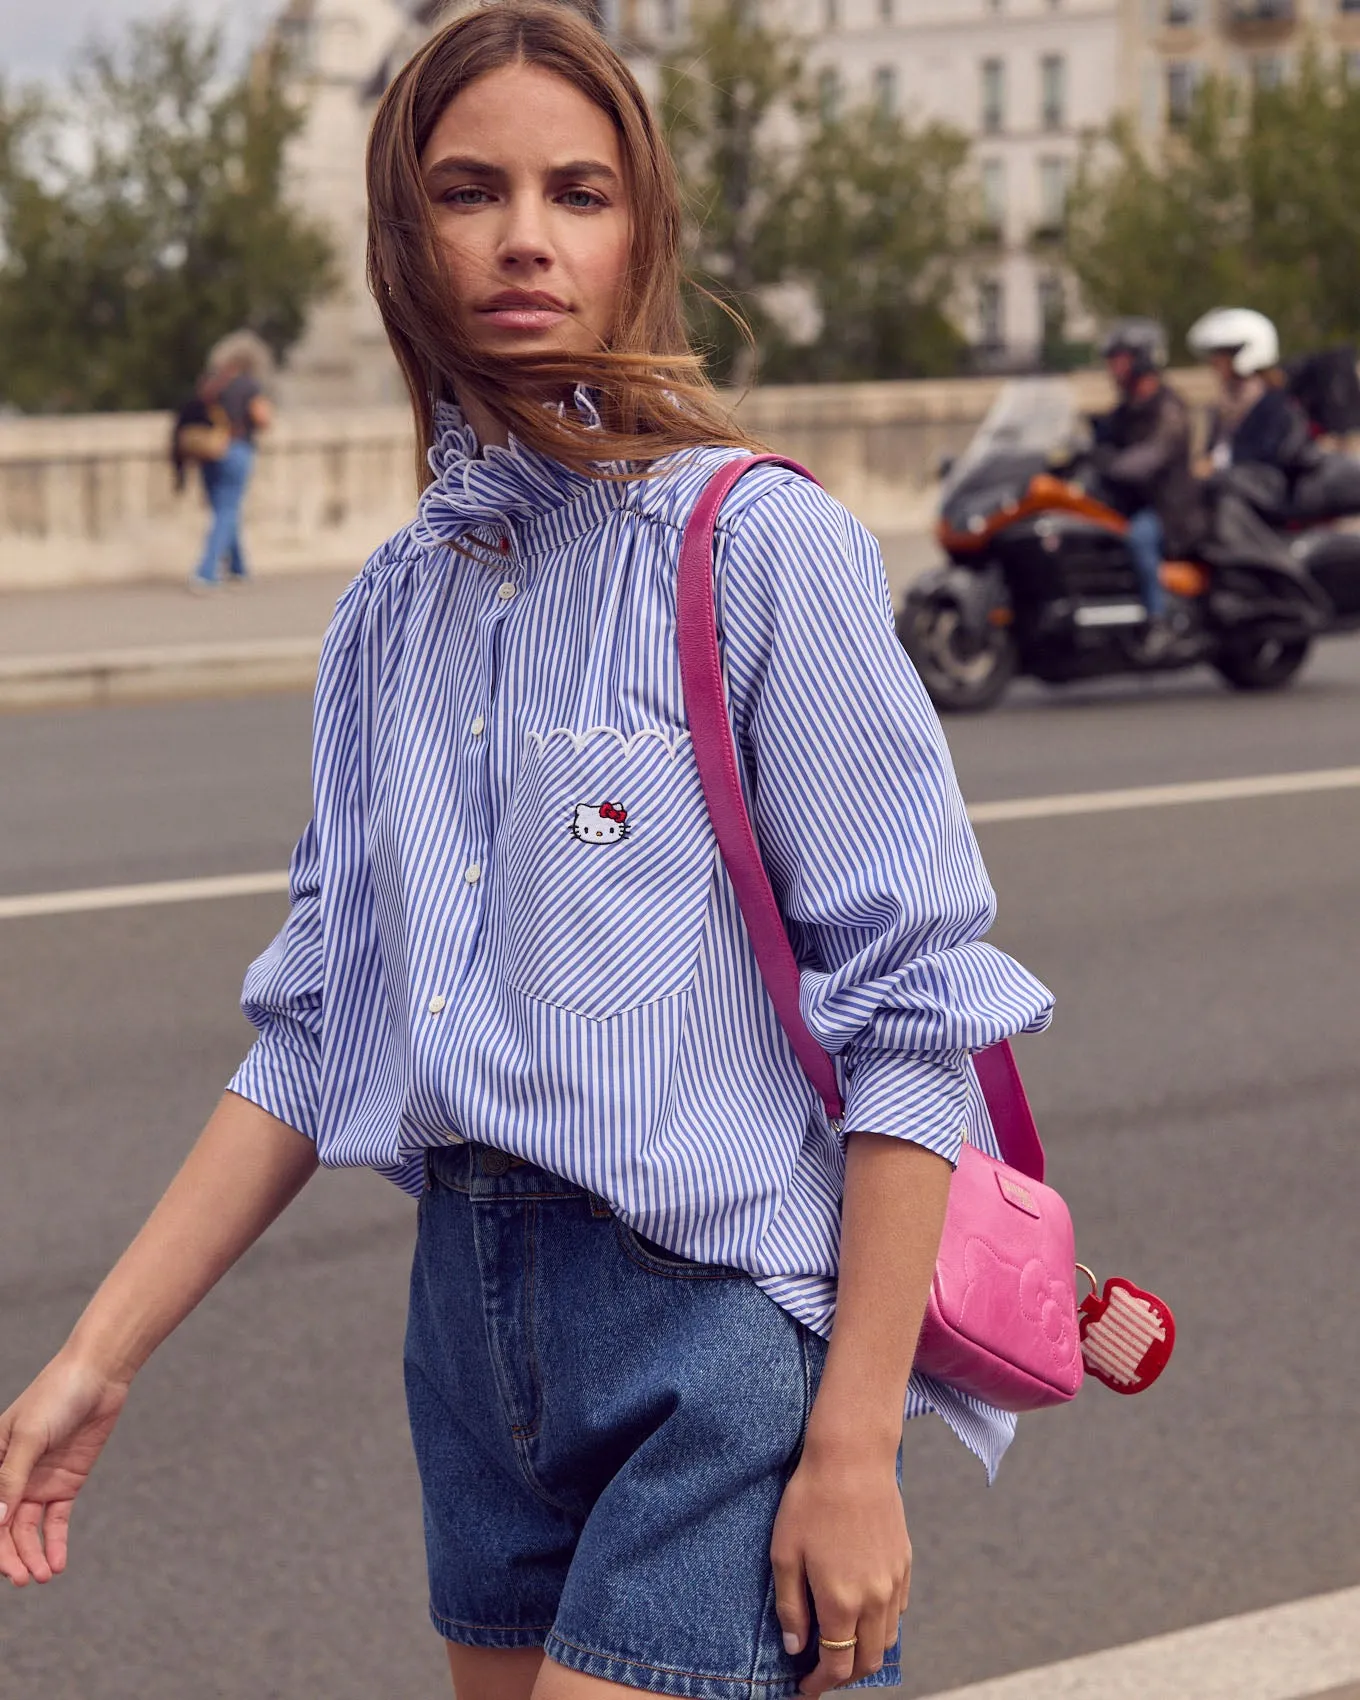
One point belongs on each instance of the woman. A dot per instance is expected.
(643, 1466)
(230, 386)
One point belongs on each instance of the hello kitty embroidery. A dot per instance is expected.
(607, 824)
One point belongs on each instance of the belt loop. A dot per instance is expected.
(598, 1207)
(426, 1181)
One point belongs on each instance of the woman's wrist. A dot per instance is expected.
(96, 1352)
(841, 1429)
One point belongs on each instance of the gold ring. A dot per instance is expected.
(838, 1646)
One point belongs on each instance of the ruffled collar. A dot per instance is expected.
(475, 486)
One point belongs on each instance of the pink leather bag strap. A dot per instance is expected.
(715, 757)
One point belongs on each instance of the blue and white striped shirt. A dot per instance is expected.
(509, 921)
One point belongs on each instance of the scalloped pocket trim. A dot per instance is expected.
(672, 742)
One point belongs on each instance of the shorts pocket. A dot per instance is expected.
(607, 872)
(647, 1254)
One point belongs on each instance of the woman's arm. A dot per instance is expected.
(841, 1531)
(260, 411)
(245, 1168)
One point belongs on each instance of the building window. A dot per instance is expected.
(885, 11)
(1182, 79)
(1054, 176)
(1351, 62)
(1267, 71)
(1053, 87)
(993, 96)
(885, 90)
(670, 20)
(993, 183)
(1052, 309)
(1180, 14)
(991, 314)
(828, 93)
(831, 14)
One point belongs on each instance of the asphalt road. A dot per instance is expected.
(253, 1532)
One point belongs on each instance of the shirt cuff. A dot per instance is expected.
(280, 1075)
(921, 1099)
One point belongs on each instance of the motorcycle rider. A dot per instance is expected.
(1257, 425)
(1143, 454)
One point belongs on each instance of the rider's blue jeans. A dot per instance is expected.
(1147, 545)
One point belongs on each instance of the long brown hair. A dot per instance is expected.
(653, 395)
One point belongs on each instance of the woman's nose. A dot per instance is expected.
(525, 240)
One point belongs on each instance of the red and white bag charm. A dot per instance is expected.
(1126, 1334)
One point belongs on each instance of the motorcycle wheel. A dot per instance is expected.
(962, 674)
(1267, 664)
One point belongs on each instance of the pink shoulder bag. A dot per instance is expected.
(1001, 1322)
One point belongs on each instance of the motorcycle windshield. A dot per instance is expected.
(1031, 418)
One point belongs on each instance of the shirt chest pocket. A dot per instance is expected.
(607, 870)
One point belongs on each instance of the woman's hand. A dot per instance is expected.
(841, 1534)
(49, 1440)
(245, 1168)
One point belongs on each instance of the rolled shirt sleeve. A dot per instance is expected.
(282, 999)
(284, 992)
(860, 819)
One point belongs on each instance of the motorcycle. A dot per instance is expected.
(1039, 580)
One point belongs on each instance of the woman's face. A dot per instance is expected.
(525, 178)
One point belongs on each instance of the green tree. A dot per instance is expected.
(733, 81)
(862, 217)
(1250, 204)
(876, 222)
(143, 214)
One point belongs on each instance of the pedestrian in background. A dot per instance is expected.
(663, 1309)
(217, 429)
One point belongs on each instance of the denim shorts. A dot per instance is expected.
(604, 1432)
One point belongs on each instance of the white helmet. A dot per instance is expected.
(1247, 335)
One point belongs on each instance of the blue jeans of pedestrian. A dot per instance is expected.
(1147, 545)
(224, 482)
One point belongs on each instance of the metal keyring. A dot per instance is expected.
(1095, 1285)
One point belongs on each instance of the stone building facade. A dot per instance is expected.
(1029, 80)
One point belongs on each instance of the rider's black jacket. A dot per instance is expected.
(1143, 452)
(1274, 433)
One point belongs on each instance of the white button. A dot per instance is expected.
(472, 873)
(436, 1004)
(478, 727)
(508, 591)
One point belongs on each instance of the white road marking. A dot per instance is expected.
(981, 814)
(1290, 1652)
(140, 896)
(1165, 796)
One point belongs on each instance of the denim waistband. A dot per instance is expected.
(484, 1172)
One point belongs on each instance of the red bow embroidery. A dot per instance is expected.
(614, 811)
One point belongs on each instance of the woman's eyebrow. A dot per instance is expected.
(461, 165)
(588, 168)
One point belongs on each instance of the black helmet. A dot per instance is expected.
(1144, 339)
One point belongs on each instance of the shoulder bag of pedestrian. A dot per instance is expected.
(202, 431)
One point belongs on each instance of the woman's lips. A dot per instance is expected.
(523, 318)
(526, 311)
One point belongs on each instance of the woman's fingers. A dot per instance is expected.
(835, 1665)
(790, 1598)
(12, 1567)
(20, 1450)
(56, 1531)
(26, 1528)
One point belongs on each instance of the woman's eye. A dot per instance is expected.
(468, 197)
(581, 198)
